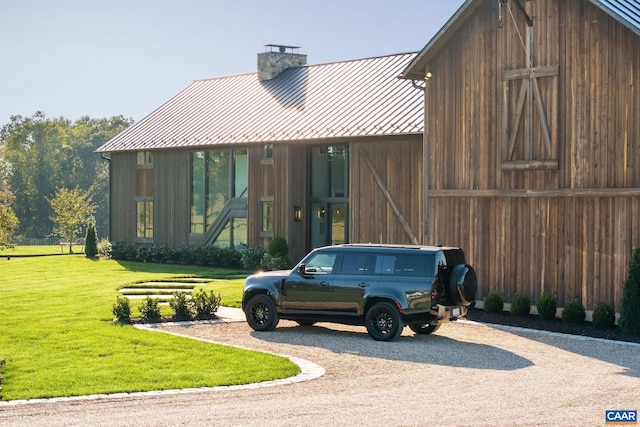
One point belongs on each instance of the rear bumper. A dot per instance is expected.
(446, 313)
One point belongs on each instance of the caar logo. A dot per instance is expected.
(621, 417)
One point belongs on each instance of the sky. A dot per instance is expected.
(74, 58)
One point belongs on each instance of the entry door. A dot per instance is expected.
(328, 195)
(328, 224)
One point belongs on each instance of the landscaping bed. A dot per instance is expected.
(532, 321)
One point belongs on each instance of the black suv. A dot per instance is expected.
(382, 287)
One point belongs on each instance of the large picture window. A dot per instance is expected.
(218, 178)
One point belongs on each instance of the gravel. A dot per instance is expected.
(466, 374)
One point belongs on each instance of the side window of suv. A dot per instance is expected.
(406, 265)
(358, 264)
(320, 263)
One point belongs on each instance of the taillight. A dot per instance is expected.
(437, 291)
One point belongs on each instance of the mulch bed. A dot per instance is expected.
(556, 325)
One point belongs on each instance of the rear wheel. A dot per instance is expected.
(261, 313)
(425, 329)
(383, 322)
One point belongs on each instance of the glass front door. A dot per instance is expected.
(329, 199)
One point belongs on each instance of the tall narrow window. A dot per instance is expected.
(267, 215)
(144, 219)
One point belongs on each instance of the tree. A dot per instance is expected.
(8, 219)
(630, 308)
(39, 154)
(91, 240)
(72, 209)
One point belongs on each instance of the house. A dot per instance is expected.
(532, 143)
(317, 154)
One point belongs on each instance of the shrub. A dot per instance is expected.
(149, 309)
(180, 305)
(278, 247)
(251, 258)
(104, 248)
(91, 240)
(521, 304)
(122, 310)
(546, 306)
(270, 262)
(630, 307)
(574, 312)
(493, 303)
(604, 316)
(206, 304)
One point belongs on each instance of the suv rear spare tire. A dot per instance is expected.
(463, 285)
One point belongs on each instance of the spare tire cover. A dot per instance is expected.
(463, 285)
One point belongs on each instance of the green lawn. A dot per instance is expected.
(58, 339)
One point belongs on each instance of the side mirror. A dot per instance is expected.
(302, 269)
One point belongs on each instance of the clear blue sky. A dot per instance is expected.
(72, 58)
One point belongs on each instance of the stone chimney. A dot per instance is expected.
(277, 59)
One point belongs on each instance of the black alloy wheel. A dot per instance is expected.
(383, 322)
(261, 313)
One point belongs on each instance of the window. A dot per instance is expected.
(144, 158)
(267, 153)
(144, 219)
(320, 263)
(267, 215)
(406, 265)
(217, 177)
(358, 264)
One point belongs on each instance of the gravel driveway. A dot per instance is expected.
(464, 375)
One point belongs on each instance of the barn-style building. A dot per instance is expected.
(317, 154)
(532, 143)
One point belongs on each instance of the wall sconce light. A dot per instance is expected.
(428, 75)
(320, 213)
(297, 213)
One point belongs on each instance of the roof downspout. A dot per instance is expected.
(425, 162)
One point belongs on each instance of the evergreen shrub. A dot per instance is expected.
(493, 303)
(149, 309)
(122, 310)
(604, 316)
(91, 240)
(574, 312)
(546, 306)
(521, 304)
(181, 305)
(630, 307)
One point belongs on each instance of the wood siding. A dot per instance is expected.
(398, 162)
(123, 197)
(568, 230)
(171, 202)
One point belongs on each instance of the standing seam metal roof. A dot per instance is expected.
(335, 100)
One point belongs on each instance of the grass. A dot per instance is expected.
(58, 338)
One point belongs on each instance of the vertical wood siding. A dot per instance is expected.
(571, 230)
(171, 205)
(123, 197)
(398, 161)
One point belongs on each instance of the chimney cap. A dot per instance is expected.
(282, 48)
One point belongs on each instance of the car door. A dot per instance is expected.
(309, 291)
(354, 278)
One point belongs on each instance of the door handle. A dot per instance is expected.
(323, 283)
(363, 284)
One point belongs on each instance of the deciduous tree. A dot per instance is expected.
(72, 209)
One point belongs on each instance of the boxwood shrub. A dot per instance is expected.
(493, 303)
(574, 312)
(604, 316)
(546, 306)
(521, 304)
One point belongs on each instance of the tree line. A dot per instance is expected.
(41, 156)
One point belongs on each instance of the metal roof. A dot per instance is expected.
(627, 12)
(335, 100)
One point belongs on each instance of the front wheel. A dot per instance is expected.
(425, 329)
(261, 313)
(383, 322)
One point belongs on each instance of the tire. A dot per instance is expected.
(261, 313)
(383, 322)
(463, 285)
(425, 329)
